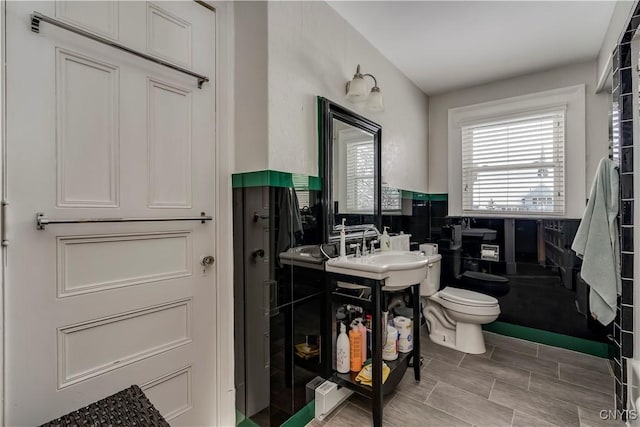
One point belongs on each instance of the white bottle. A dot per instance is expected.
(385, 241)
(343, 241)
(390, 348)
(343, 351)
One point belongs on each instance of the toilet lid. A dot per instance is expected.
(463, 296)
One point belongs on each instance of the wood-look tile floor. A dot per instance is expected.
(515, 383)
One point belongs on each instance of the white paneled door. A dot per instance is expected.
(96, 132)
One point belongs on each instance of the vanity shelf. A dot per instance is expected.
(373, 305)
(398, 368)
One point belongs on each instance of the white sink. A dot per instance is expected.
(398, 269)
(482, 233)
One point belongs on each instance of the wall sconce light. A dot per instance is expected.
(357, 91)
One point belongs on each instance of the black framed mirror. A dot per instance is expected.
(351, 184)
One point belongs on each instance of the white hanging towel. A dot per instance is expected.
(596, 242)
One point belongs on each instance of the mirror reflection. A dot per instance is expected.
(353, 170)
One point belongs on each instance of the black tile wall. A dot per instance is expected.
(627, 265)
(627, 239)
(626, 214)
(622, 105)
(627, 291)
(626, 160)
(626, 132)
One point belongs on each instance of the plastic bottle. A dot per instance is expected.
(390, 349)
(367, 324)
(363, 342)
(343, 240)
(355, 343)
(385, 241)
(342, 351)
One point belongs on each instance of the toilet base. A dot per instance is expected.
(467, 338)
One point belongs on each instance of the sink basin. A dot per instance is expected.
(481, 233)
(398, 269)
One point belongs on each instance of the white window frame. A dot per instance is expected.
(559, 184)
(570, 98)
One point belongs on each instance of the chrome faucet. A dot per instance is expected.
(364, 237)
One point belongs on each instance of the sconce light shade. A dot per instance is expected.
(374, 102)
(356, 88)
(357, 91)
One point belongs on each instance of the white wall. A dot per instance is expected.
(250, 86)
(314, 51)
(597, 114)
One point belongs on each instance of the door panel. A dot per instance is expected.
(94, 132)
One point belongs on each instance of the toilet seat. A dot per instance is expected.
(466, 297)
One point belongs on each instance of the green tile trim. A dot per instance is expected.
(582, 345)
(439, 197)
(302, 417)
(243, 421)
(270, 178)
(414, 195)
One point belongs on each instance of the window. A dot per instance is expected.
(515, 165)
(361, 180)
(301, 185)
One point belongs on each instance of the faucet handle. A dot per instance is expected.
(357, 246)
(373, 243)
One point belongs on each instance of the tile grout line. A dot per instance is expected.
(513, 417)
(460, 362)
(493, 384)
(429, 395)
(529, 382)
(579, 417)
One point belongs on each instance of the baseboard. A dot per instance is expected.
(581, 345)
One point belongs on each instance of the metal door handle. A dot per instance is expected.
(207, 260)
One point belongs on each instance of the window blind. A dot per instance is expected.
(361, 180)
(515, 165)
(301, 185)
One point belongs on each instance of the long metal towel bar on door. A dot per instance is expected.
(42, 221)
(36, 17)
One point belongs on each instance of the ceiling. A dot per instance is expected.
(445, 45)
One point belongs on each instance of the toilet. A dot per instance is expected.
(454, 316)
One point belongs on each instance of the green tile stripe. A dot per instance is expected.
(243, 421)
(582, 345)
(414, 195)
(270, 178)
(302, 417)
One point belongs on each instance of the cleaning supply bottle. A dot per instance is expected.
(363, 339)
(367, 324)
(385, 241)
(390, 349)
(355, 343)
(343, 240)
(342, 351)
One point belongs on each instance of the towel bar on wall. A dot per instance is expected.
(36, 17)
(42, 221)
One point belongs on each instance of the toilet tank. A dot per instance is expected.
(431, 284)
